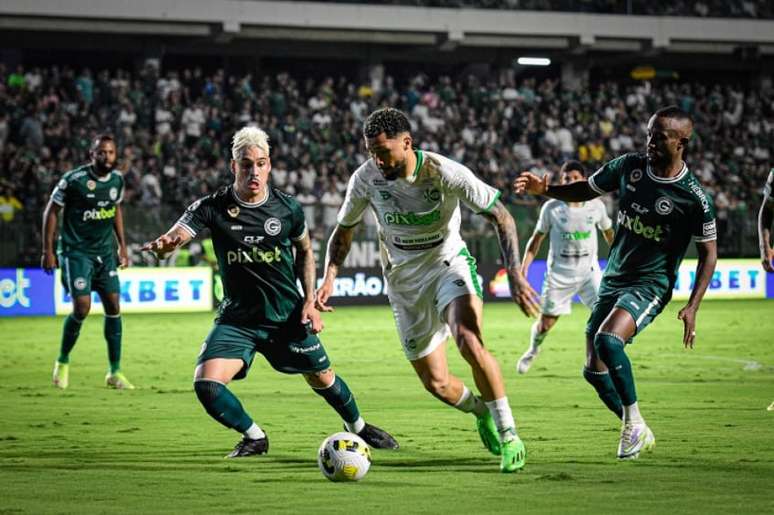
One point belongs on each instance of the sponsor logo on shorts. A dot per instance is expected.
(304, 350)
(272, 226)
(386, 195)
(79, 283)
(411, 343)
(459, 282)
(99, 214)
(398, 218)
(664, 206)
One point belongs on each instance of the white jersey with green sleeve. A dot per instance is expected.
(572, 233)
(418, 217)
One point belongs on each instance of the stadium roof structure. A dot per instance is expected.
(358, 29)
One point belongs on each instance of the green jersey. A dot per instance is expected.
(253, 244)
(89, 205)
(657, 218)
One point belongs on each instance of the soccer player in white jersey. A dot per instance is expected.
(765, 218)
(432, 281)
(572, 266)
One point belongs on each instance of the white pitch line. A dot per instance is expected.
(749, 364)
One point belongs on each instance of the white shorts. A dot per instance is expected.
(558, 291)
(419, 309)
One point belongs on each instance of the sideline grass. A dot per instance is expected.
(154, 450)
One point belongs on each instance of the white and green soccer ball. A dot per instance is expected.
(344, 457)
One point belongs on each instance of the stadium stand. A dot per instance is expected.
(173, 129)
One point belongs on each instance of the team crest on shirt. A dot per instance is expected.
(636, 175)
(233, 211)
(91, 184)
(272, 226)
(664, 206)
(113, 193)
(432, 195)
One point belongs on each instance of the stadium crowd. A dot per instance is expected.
(702, 8)
(173, 130)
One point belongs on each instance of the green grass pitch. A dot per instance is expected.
(154, 450)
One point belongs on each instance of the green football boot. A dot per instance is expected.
(118, 381)
(488, 433)
(61, 375)
(514, 455)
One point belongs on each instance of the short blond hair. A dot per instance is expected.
(248, 137)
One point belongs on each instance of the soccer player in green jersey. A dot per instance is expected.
(765, 218)
(89, 199)
(255, 229)
(662, 207)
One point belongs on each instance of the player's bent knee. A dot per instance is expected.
(320, 379)
(607, 346)
(207, 391)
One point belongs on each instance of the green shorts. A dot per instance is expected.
(82, 274)
(643, 302)
(290, 349)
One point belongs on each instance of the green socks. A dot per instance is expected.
(605, 389)
(112, 331)
(70, 332)
(341, 399)
(610, 349)
(222, 405)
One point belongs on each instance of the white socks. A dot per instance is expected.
(356, 426)
(254, 432)
(503, 418)
(535, 337)
(632, 415)
(470, 403)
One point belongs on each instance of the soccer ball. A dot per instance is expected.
(344, 457)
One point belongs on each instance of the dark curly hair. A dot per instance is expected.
(387, 120)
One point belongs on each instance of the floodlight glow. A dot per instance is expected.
(534, 61)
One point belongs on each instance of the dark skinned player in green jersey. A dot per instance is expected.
(662, 207)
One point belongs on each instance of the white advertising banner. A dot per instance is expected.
(152, 290)
(733, 279)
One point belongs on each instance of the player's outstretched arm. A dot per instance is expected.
(530, 183)
(338, 247)
(118, 227)
(48, 261)
(708, 257)
(505, 226)
(168, 242)
(765, 218)
(307, 273)
(533, 247)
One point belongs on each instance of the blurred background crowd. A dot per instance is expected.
(173, 129)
